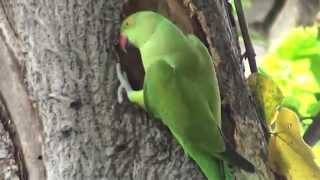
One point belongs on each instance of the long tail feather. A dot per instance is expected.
(212, 167)
(236, 159)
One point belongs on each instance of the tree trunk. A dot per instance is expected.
(58, 92)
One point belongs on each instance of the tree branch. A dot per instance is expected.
(249, 53)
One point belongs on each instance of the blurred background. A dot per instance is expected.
(286, 38)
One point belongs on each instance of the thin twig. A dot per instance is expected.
(250, 54)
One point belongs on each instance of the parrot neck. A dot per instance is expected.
(166, 40)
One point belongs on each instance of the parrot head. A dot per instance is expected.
(137, 29)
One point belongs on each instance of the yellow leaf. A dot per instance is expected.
(316, 151)
(267, 93)
(288, 154)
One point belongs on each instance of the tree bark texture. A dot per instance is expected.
(8, 164)
(58, 86)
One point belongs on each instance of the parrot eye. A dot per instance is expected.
(129, 23)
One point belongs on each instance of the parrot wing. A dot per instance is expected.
(204, 54)
(230, 155)
(178, 101)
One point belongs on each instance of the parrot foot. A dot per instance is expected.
(124, 83)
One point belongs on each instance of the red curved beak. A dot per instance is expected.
(123, 40)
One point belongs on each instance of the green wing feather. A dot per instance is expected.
(182, 107)
(190, 109)
(229, 154)
(183, 111)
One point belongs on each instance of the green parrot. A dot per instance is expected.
(180, 88)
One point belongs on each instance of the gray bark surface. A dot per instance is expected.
(8, 165)
(59, 85)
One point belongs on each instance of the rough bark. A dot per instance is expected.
(58, 84)
(8, 164)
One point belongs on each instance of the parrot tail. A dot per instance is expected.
(213, 168)
(235, 159)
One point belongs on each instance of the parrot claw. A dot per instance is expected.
(244, 56)
(119, 94)
(124, 84)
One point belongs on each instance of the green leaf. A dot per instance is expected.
(294, 64)
(301, 43)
